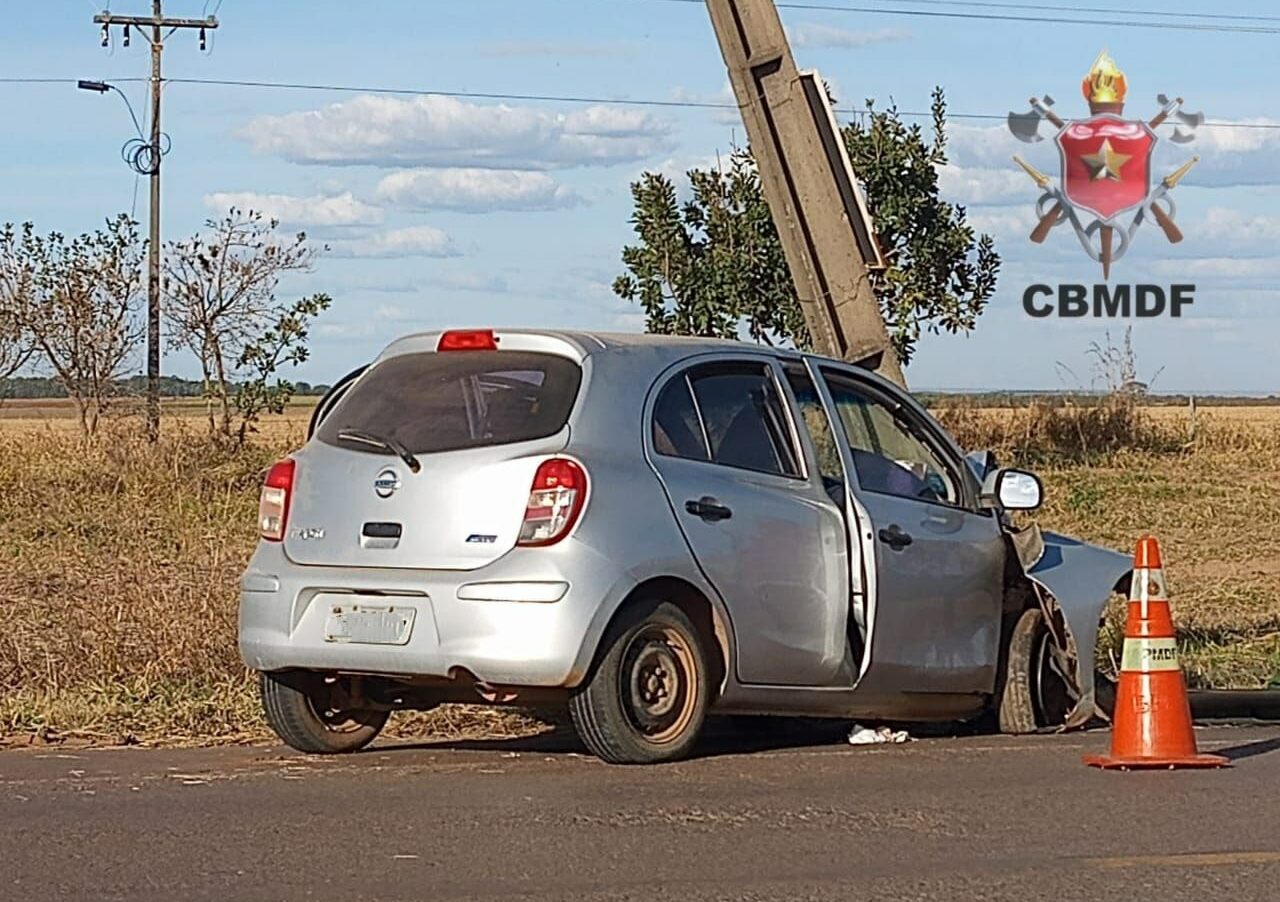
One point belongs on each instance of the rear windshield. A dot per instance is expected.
(457, 399)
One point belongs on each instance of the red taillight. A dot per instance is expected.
(273, 504)
(555, 501)
(468, 340)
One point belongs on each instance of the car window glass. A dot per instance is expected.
(432, 402)
(887, 454)
(677, 431)
(814, 417)
(744, 419)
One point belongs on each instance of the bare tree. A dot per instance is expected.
(221, 299)
(78, 302)
(15, 291)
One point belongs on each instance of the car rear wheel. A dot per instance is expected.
(317, 716)
(646, 700)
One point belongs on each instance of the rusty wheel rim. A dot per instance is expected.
(329, 711)
(658, 684)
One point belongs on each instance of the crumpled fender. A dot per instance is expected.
(1079, 579)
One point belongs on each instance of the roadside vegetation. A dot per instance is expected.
(121, 560)
(121, 563)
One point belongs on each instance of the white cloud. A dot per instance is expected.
(723, 104)
(332, 210)
(446, 132)
(1238, 229)
(677, 169)
(985, 186)
(1233, 269)
(816, 34)
(471, 281)
(475, 190)
(414, 241)
(1005, 224)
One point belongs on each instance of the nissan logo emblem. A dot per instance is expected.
(387, 483)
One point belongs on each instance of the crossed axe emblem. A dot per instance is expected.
(1102, 241)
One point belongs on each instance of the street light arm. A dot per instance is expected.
(102, 87)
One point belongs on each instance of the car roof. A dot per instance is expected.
(593, 342)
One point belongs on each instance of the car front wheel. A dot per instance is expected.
(646, 700)
(318, 716)
(1036, 694)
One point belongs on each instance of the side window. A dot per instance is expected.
(814, 417)
(888, 456)
(744, 419)
(729, 414)
(677, 431)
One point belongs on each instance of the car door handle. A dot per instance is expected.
(895, 538)
(709, 509)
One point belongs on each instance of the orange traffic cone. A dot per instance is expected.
(1152, 723)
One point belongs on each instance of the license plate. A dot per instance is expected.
(365, 625)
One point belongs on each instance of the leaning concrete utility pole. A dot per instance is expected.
(827, 235)
(160, 28)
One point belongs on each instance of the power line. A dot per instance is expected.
(1005, 17)
(462, 95)
(550, 98)
(611, 101)
(1051, 7)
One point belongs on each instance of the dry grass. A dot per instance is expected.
(120, 588)
(122, 561)
(1211, 500)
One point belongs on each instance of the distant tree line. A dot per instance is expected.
(47, 387)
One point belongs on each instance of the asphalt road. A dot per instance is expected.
(990, 818)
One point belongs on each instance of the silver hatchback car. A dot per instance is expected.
(650, 529)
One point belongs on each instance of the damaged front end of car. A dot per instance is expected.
(1074, 582)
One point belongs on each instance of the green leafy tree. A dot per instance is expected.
(714, 265)
(284, 343)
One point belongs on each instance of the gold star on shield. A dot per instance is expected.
(1106, 163)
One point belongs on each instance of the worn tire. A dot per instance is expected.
(609, 711)
(1018, 711)
(292, 712)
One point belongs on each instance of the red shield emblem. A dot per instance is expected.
(1106, 164)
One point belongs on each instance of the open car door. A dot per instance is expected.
(933, 561)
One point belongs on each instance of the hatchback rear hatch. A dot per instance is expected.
(428, 459)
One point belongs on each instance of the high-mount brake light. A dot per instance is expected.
(555, 501)
(468, 340)
(273, 504)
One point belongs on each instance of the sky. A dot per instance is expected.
(448, 212)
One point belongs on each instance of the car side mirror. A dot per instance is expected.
(1012, 490)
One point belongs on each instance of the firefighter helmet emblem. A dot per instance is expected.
(1107, 188)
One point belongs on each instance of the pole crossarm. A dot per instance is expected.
(109, 19)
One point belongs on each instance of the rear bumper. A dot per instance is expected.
(531, 618)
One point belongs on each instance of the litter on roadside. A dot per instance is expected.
(859, 735)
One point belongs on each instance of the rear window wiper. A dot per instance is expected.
(378, 441)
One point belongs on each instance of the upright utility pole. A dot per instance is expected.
(826, 233)
(160, 28)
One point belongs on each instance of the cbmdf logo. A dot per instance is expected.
(1107, 189)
